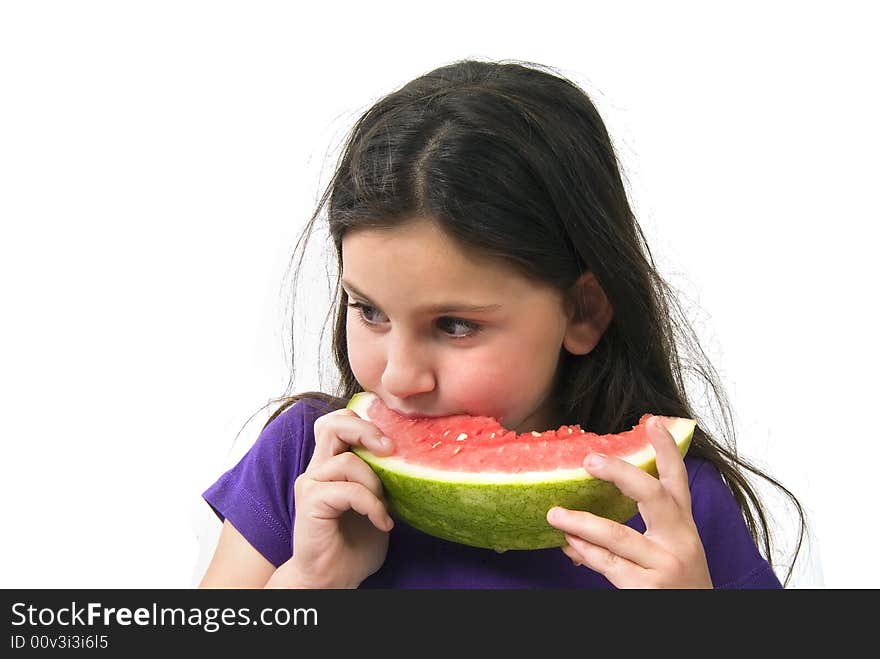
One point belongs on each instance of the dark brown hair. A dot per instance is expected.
(512, 159)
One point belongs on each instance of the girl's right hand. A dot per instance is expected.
(340, 534)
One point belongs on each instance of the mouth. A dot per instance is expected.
(410, 415)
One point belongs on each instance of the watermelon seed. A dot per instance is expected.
(457, 449)
(461, 437)
(535, 434)
(570, 431)
(436, 444)
(445, 433)
(492, 436)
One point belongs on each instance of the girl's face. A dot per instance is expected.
(412, 341)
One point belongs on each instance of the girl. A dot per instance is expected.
(490, 265)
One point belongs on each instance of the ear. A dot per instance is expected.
(589, 313)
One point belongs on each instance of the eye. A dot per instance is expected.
(470, 328)
(364, 312)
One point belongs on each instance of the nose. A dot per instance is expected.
(408, 369)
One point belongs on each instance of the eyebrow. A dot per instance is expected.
(447, 307)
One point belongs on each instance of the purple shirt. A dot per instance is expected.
(257, 497)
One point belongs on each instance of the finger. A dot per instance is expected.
(618, 570)
(337, 431)
(670, 464)
(657, 506)
(347, 467)
(572, 553)
(332, 499)
(616, 538)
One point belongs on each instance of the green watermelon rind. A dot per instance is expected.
(502, 511)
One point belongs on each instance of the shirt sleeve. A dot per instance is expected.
(733, 557)
(256, 495)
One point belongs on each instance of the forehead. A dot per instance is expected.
(417, 259)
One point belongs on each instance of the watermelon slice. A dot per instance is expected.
(470, 480)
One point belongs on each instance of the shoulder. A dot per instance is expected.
(295, 420)
(256, 495)
(712, 499)
(290, 435)
(302, 412)
(281, 451)
(702, 473)
(294, 417)
(733, 556)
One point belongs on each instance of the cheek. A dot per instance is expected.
(500, 385)
(364, 359)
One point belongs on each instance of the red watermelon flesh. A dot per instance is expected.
(481, 444)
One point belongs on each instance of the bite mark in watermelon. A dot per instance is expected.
(470, 480)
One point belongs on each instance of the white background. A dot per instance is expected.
(158, 160)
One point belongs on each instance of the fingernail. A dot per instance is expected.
(555, 514)
(384, 442)
(595, 459)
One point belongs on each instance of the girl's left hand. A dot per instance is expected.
(669, 554)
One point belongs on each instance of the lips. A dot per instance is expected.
(412, 414)
(416, 415)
